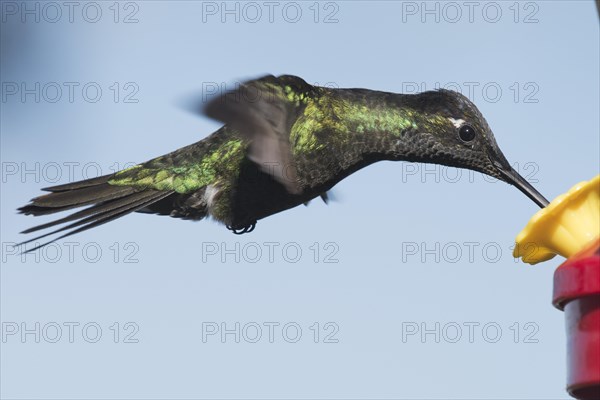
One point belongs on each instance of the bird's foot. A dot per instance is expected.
(240, 231)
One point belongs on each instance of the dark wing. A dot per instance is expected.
(263, 113)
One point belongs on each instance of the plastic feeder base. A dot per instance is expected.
(577, 293)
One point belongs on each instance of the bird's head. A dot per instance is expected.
(455, 133)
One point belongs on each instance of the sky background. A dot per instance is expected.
(403, 287)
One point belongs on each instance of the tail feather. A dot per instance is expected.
(109, 203)
(95, 215)
(75, 198)
(99, 219)
(96, 209)
(79, 184)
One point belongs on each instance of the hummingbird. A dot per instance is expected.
(284, 142)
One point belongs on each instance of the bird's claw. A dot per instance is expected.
(241, 231)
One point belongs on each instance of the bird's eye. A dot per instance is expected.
(466, 133)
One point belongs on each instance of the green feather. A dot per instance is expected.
(221, 164)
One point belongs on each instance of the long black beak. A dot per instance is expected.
(511, 176)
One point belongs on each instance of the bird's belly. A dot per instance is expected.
(252, 205)
(257, 195)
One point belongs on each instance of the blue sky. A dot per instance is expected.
(403, 287)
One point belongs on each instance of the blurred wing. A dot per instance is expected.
(259, 111)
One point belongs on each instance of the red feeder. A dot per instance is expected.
(577, 293)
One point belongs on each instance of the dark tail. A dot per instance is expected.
(108, 202)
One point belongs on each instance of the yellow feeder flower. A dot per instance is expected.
(567, 225)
